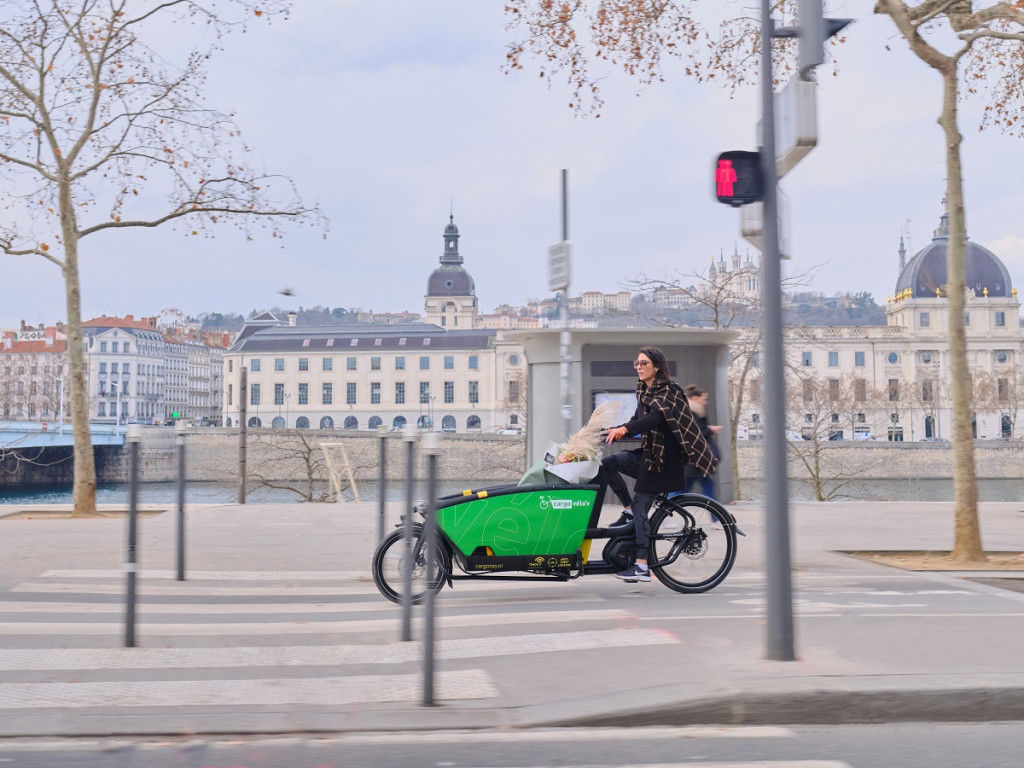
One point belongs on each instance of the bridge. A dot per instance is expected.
(41, 434)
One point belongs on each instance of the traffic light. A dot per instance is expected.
(738, 178)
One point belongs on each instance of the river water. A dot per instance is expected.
(227, 493)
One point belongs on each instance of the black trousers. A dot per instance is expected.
(612, 469)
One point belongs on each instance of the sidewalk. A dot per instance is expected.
(278, 628)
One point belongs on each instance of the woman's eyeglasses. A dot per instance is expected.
(641, 363)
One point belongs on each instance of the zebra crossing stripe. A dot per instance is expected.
(52, 659)
(323, 691)
(216, 575)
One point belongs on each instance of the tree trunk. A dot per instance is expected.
(967, 536)
(84, 489)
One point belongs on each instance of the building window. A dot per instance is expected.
(449, 391)
(279, 394)
(513, 392)
(399, 363)
(474, 362)
(474, 391)
(894, 389)
(255, 365)
(860, 390)
(399, 393)
(231, 366)
(967, 319)
(858, 359)
(833, 389)
(375, 393)
(303, 394)
(254, 394)
(806, 359)
(231, 393)
(756, 361)
(926, 391)
(328, 364)
(350, 393)
(808, 390)
(893, 358)
(350, 363)
(278, 363)
(101, 409)
(924, 320)
(449, 363)
(374, 363)
(303, 363)
(103, 369)
(328, 393)
(424, 363)
(833, 359)
(103, 346)
(113, 347)
(424, 392)
(1002, 390)
(1000, 319)
(1002, 356)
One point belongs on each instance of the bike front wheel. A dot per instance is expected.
(693, 547)
(391, 562)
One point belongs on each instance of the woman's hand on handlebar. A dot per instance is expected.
(615, 433)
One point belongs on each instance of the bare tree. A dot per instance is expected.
(293, 461)
(819, 409)
(1001, 393)
(95, 124)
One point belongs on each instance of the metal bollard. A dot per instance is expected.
(179, 438)
(133, 438)
(409, 435)
(382, 432)
(431, 448)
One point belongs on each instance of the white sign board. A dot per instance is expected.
(558, 266)
(752, 224)
(796, 124)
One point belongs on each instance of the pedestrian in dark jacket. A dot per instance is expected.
(695, 480)
(672, 439)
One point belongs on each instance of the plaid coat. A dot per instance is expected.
(669, 400)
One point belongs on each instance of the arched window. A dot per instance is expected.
(302, 422)
(375, 421)
(448, 424)
(277, 423)
(929, 426)
(399, 422)
(326, 423)
(351, 422)
(424, 422)
(473, 422)
(1006, 427)
(228, 422)
(254, 422)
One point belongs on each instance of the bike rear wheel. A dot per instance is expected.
(391, 562)
(692, 547)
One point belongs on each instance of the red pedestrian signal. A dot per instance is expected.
(738, 178)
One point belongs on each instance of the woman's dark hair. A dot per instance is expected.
(692, 390)
(657, 357)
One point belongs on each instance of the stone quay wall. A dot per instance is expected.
(213, 455)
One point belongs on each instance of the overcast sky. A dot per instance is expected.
(392, 113)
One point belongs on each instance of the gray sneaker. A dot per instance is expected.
(634, 573)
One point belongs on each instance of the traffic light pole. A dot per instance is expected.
(779, 597)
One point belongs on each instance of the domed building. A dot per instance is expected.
(450, 301)
(892, 382)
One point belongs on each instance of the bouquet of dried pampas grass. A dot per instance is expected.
(585, 445)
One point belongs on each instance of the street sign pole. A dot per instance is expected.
(779, 597)
(558, 280)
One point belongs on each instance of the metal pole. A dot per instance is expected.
(382, 503)
(410, 484)
(179, 436)
(564, 337)
(243, 383)
(131, 559)
(431, 447)
(779, 596)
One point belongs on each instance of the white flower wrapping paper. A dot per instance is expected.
(575, 472)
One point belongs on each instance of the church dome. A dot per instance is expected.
(450, 281)
(451, 278)
(926, 272)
